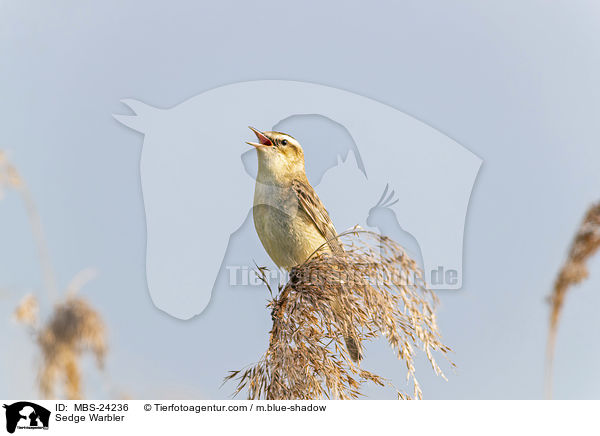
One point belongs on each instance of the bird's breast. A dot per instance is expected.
(286, 232)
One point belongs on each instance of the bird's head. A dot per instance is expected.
(280, 156)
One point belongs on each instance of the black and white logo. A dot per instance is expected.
(26, 415)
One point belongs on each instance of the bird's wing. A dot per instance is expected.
(311, 204)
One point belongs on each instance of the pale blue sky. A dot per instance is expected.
(514, 81)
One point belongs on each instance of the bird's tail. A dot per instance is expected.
(353, 347)
(348, 330)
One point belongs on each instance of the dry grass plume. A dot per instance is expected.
(73, 328)
(585, 243)
(10, 178)
(382, 292)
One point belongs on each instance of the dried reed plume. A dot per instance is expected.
(73, 328)
(10, 178)
(373, 289)
(574, 271)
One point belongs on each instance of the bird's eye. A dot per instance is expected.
(284, 142)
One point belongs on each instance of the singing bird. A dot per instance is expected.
(289, 217)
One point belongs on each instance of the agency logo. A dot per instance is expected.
(399, 177)
(26, 415)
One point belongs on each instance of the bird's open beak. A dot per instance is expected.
(263, 140)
